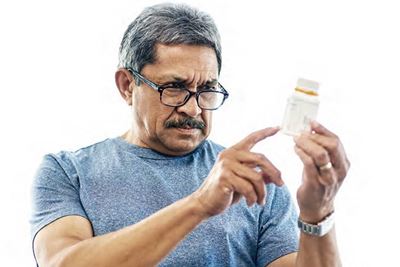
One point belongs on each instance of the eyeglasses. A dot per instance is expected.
(175, 94)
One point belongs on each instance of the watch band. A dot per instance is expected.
(320, 229)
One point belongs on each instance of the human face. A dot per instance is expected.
(194, 66)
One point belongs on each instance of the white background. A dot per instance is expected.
(57, 64)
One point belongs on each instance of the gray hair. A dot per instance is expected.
(166, 24)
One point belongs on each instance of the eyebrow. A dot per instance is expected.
(212, 81)
(175, 78)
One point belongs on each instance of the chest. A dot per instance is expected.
(115, 196)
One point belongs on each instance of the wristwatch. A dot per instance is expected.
(319, 229)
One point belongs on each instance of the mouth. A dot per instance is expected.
(186, 129)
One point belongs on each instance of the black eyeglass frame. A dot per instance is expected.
(160, 89)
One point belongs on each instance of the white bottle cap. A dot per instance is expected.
(307, 84)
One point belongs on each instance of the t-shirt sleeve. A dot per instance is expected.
(55, 193)
(278, 234)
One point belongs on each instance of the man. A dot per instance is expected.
(162, 194)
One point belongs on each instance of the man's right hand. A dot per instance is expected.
(238, 172)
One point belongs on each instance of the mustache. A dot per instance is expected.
(185, 122)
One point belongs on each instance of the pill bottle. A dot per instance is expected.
(301, 108)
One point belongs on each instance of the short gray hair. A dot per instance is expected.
(168, 24)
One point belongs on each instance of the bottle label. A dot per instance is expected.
(298, 116)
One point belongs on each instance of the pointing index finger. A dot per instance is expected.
(249, 141)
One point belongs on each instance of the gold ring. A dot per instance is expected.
(325, 167)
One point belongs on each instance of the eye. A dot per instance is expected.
(209, 87)
(175, 85)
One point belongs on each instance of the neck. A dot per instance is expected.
(131, 138)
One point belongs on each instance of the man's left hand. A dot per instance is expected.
(325, 167)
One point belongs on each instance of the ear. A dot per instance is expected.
(123, 79)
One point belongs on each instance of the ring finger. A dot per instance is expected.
(319, 155)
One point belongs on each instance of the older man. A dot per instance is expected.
(162, 193)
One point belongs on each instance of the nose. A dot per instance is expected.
(191, 108)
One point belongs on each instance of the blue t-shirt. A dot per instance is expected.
(115, 184)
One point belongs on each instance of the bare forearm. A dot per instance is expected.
(318, 251)
(143, 244)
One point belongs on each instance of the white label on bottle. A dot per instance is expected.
(298, 115)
